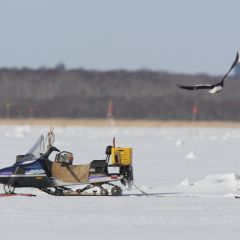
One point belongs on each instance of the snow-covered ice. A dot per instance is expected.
(188, 199)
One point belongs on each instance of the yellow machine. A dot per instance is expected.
(121, 156)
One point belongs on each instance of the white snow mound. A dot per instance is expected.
(214, 184)
(184, 183)
(179, 143)
(191, 155)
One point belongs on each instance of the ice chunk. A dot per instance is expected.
(185, 182)
(179, 143)
(191, 155)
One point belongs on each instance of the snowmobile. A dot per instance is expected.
(60, 176)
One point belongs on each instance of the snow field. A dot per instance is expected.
(191, 198)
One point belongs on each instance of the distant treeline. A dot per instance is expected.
(142, 94)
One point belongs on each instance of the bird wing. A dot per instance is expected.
(233, 65)
(196, 87)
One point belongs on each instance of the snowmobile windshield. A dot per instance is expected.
(34, 153)
(37, 148)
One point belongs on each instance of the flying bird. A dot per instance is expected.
(215, 88)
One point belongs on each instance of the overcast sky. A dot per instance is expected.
(187, 36)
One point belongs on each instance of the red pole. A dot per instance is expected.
(110, 109)
(194, 112)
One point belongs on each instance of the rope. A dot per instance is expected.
(145, 193)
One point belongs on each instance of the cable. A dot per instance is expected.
(145, 193)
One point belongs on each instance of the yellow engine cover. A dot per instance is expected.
(122, 156)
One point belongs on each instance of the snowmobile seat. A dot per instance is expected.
(98, 167)
(70, 173)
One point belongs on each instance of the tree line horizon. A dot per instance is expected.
(139, 94)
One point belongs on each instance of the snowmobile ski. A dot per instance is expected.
(17, 195)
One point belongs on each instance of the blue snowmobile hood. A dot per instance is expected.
(29, 168)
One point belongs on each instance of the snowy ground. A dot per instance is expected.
(191, 174)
